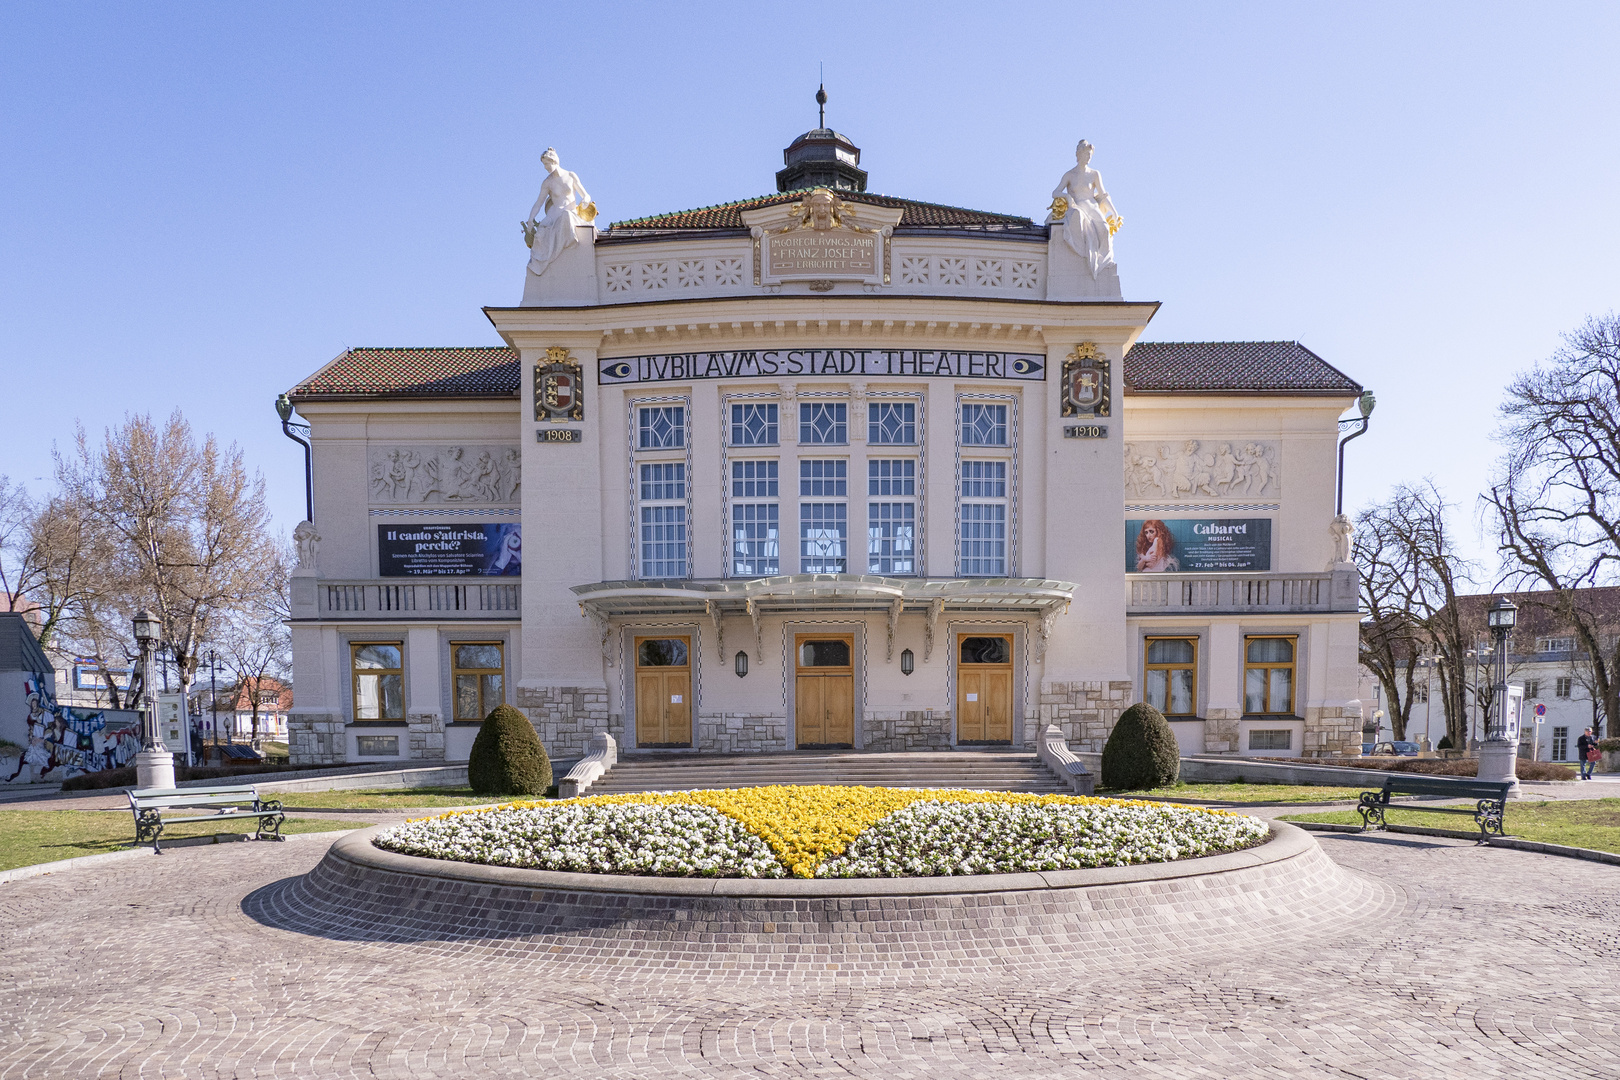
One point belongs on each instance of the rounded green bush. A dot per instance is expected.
(507, 758)
(1141, 751)
(1444, 743)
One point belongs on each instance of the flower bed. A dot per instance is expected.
(824, 831)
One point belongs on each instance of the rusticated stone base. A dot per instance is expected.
(426, 736)
(912, 729)
(565, 717)
(1221, 731)
(1084, 711)
(1333, 732)
(744, 732)
(316, 738)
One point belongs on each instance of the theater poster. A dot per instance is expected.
(1157, 546)
(450, 550)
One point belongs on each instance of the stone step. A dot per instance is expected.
(999, 770)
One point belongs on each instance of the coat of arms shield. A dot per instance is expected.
(557, 387)
(1085, 382)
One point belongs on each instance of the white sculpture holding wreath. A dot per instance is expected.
(1089, 219)
(565, 203)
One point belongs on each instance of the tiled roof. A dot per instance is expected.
(914, 214)
(490, 371)
(1274, 366)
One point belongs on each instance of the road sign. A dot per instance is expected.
(1541, 710)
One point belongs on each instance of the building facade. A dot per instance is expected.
(823, 468)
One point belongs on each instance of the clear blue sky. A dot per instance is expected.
(205, 202)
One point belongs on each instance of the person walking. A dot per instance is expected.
(1586, 748)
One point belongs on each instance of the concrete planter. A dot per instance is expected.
(1610, 762)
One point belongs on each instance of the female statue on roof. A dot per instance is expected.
(565, 204)
(1087, 213)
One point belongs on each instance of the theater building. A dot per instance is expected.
(823, 468)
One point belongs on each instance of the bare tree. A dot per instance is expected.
(184, 521)
(1556, 498)
(254, 640)
(1410, 574)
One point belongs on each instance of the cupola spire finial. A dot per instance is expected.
(821, 99)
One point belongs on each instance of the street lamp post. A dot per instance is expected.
(1499, 750)
(1427, 664)
(154, 765)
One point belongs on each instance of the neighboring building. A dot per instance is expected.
(234, 710)
(823, 468)
(1544, 657)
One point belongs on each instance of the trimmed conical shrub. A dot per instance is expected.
(1141, 751)
(507, 758)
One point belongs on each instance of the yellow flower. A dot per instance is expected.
(807, 824)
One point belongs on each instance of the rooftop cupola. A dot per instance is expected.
(821, 158)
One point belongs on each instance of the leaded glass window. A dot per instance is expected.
(823, 538)
(984, 540)
(824, 479)
(753, 424)
(823, 423)
(663, 520)
(891, 477)
(753, 479)
(984, 425)
(891, 423)
(891, 544)
(661, 427)
(755, 540)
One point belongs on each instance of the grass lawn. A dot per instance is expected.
(1587, 823)
(382, 798)
(36, 836)
(1236, 791)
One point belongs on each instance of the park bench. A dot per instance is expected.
(1491, 799)
(156, 807)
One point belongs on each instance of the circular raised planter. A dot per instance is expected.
(739, 928)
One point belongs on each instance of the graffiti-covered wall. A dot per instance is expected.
(52, 742)
(41, 740)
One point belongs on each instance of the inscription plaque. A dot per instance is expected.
(821, 253)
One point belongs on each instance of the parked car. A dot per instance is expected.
(1366, 748)
(1394, 749)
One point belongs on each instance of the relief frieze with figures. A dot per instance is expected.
(1202, 469)
(456, 473)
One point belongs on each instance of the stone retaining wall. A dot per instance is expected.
(732, 929)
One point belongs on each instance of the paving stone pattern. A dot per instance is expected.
(1457, 961)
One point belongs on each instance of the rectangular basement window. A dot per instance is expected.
(377, 745)
(1271, 739)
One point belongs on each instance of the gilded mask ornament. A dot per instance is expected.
(557, 386)
(1085, 381)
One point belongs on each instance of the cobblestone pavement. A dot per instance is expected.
(1478, 962)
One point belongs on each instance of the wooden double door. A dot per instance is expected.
(984, 698)
(663, 691)
(824, 690)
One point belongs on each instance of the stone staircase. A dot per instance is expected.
(995, 770)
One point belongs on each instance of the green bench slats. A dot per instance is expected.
(1488, 810)
(226, 800)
